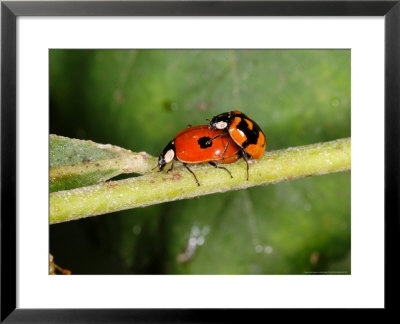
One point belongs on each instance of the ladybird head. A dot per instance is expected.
(167, 155)
(221, 121)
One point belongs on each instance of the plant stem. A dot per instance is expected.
(157, 187)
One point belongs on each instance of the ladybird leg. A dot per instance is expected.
(195, 178)
(244, 155)
(172, 166)
(224, 132)
(209, 142)
(220, 167)
(226, 147)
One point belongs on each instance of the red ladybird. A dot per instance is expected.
(195, 145)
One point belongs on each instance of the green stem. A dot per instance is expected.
(157, 187)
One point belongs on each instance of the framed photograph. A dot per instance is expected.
(191, 155)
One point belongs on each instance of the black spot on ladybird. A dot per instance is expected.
(251, 134)
(205, 142)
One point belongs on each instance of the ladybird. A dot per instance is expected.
(244, 132)
(195, 145)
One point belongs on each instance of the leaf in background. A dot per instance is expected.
(290, 230)
(77, 163)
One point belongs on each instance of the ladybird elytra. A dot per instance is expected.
(194, 145)
(200, 144)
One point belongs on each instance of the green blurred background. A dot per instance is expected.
(139, 99)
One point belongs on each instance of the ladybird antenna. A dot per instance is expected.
(156, 164)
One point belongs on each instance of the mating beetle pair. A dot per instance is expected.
(228, 137)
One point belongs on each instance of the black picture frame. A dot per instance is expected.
(11, 10)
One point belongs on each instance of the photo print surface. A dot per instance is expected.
(113, 113)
